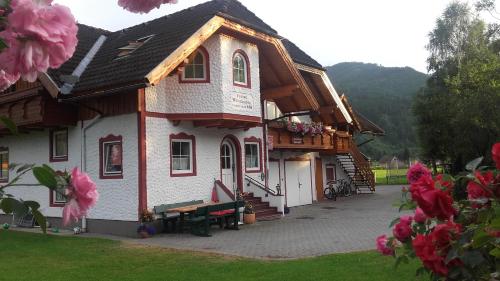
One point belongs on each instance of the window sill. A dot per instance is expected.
(57, 205)
(253, 171)
(58, 159)
(178, 175)
(111, 177)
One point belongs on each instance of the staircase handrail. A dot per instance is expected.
(362, 165)
(263, 187)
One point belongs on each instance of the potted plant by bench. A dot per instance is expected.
(248, 214)
(146, 228)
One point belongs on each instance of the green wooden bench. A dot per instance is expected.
(162, 210)
(201, 221)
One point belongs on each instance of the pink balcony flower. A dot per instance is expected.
(39, 35)
(382, 246)
(81, 194)
(143, 6)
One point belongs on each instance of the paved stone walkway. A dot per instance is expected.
(346, 225)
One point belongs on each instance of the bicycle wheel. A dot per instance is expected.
(347, 189)
(330, 193)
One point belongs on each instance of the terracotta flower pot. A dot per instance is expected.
(249, 218)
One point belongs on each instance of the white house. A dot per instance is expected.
(162, 112)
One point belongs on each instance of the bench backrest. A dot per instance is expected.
(203, 211)
(163, 208)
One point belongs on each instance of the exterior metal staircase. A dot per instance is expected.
(357, 169)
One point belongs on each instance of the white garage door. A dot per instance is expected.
(298, 183)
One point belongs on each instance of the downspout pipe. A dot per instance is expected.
(83, 151)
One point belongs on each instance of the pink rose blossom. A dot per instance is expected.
(143, 6)
(402, 231)
(39, 35)
(416, 171)
(82, 195)
(6, 80)
(382, 246)
(419, 216)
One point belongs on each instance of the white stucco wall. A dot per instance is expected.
(217, 96)
(164, 189)
(118, 197)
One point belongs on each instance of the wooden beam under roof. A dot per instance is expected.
(279, 92)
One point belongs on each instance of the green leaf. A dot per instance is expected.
(472, 165)
(45, 177)
(49, 169)
(41, 220)
(495, 223)
(24, 168)
(9, 124)
(394, 222)
(480, 238)
(3, 45)
(32, 204)
(472, 258)
(7, 205)
(495, 252)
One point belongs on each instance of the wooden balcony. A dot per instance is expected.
(29, 106)
(329, 142)
(283, 139)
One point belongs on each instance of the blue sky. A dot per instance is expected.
(386, 32)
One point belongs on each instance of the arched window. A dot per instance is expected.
(196, 69)
(241, 75)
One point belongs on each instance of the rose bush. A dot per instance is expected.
(454, 239)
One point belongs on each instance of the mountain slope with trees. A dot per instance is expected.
(383, 95)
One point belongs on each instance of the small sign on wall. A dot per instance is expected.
(297, 140)
(241, 102)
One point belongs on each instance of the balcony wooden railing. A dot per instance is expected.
(283, 139)
(342, 142)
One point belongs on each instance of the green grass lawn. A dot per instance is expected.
(26, 256)
(396, 177)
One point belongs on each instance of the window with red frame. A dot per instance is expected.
(241, 67)
(111, 150)
(59, 145)
(253, 155)
(196, 70)
(182, 155)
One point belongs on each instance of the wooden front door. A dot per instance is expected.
(319, 179)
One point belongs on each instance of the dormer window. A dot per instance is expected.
(133, 46)
(241, 75)
(196, 69)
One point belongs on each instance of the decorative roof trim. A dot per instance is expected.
(49, 84)
(330, 88)
(184, 50)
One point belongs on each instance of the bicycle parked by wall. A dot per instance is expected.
(330, 192)
(344, 188)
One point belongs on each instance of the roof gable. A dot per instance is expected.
(169, 33)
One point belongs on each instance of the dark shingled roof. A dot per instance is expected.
(169, 33)
(300, 56)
